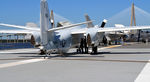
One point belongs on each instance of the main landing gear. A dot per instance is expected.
(42, 52)
(84, 46)
(94, 49)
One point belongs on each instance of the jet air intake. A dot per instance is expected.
(35, 40)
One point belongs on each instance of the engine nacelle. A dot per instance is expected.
(35, 40)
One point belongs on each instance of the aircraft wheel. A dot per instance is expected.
(42, 52)
(94, 50)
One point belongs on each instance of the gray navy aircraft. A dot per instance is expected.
(61, 39)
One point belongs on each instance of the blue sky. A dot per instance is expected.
(22, 11)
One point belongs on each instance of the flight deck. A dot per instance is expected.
(117, 63)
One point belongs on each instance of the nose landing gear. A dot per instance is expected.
(42, 52)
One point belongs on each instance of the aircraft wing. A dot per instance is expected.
(15, 31)
(112, 29)
(79, 32)
(38, 29)
(22, 27)
(69, 26)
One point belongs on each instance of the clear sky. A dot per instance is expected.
(22, 11)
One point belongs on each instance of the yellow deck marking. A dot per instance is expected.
(114, 46)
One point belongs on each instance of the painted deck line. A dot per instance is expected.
(38, 60)
(144, 76)
(20, 63)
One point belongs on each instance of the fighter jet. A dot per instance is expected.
(61, 39)
(117, 36)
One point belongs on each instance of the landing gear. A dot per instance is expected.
(85, 45)
(105, 41)
(48, 53)
(94, 49)
(42, 52)
(78, 50)
(62, 54)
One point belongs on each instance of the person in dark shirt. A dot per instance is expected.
(81, 45)
(85, 45)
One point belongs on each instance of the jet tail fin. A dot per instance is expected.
(90, 24)
(45, 23)
(103, 23)
(52, 19)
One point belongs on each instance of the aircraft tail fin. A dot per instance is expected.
(103, 23)
(45, 23)
(90, 24)
(52, 19)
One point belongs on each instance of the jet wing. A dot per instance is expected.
(15, 31)
(22, 27)
(38, 29)
(77, 33)
(112, 29)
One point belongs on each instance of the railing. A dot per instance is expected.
(15, 45)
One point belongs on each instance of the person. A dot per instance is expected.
(81, 45)
(121, 41)
(85, 45)
(105, 41)
(92, 49)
